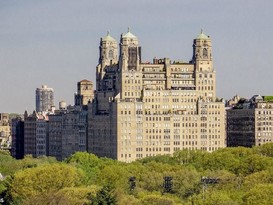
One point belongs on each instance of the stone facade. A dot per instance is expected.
(145, 109)
(85, 93)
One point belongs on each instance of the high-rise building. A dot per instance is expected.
(44, 99)
(67, 131)
(250, 121)
(84, 93)
(17, 149)
(35, 134)
(145, 109)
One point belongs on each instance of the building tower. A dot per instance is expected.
(129, 69)
(84, 93)
(205, 74)
(44, 99)
(108, 56)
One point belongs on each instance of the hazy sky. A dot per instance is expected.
(55, 42)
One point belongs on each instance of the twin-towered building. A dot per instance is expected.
(137, 110)
(145, 109)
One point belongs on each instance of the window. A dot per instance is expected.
(111, 54)
(205, 53)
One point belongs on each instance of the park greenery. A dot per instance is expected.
(240, 176)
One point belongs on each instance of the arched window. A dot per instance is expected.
(205, 53)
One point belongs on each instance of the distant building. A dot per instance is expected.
(85, 93)
(232, 102)
(44, 99)
(5, 131)
(250, 122)
(146, 109)
(56, 133)
(17, 149)
(42, 136)
(35, 134)
(67, 132)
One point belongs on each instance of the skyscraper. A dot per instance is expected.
(44, 99)
(145, 109)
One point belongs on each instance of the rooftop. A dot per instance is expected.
(202, 35)
(128, 34)
(108, 37)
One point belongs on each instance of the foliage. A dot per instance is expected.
(244, 176)
(260, 194)
(105, 196)
(43, 180)
(155, 200)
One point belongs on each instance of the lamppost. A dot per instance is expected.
(132, 183)
(168, 184)
(208, 180)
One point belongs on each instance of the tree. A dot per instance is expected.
(49, 178)
(106, 196)
(261, 194)
(156, 199)
(65, 196)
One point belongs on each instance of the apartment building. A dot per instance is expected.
(250, 122)
(146, 109)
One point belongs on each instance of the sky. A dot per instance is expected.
(56, 42)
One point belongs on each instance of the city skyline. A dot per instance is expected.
(56, 43)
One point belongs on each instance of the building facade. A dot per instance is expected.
(67, 133)
(44, 99)
(17, 149)
(145, 109)
(250, 122)
(35, 134)
(5, 131)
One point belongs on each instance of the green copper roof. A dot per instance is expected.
(202, 35)
(128, 34)
(108, 37)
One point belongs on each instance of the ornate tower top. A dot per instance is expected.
(202, 48)
(202, 35)
(108, 37)
(128, 34)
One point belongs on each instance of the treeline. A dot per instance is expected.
(230, 176)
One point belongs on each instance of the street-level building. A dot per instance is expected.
(146, 109)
